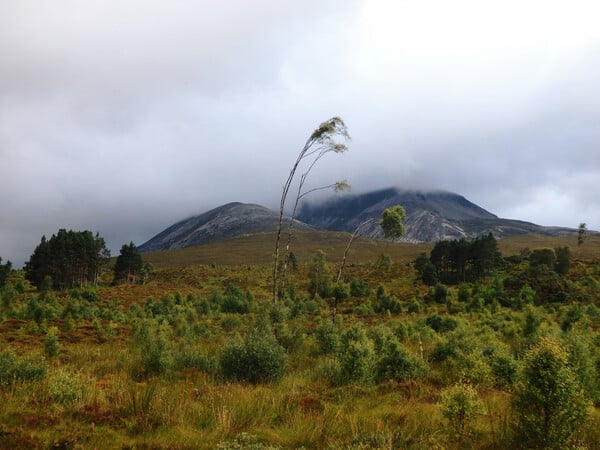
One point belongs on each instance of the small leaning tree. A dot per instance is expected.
(392, 226)
(329, 137)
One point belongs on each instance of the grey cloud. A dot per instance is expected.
(124, 117)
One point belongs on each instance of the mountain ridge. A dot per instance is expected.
(224, 222)
(431, 216)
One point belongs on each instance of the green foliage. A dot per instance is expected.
(384, 262)
(328, 337)
(461, 260)
(396, 363)
(549, 404)
(357, 356)
(581, 232)
(463, 292)
(65, 388)
(70, 258)
(441, 324)
(388, 303)
(190, 358)
(542, 256)
(51, 344)
(15, 368)
(152, 340)
(460, 405)
(129, 264)
(440, 293)
(574, 314)
(5, 270)
(392, 221)
(319, 275)
(341, 291)
(563, 260)
(257, 359)
(235, 301)
(505, 370)
(359, 288)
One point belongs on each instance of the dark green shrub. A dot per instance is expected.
(563, 260)
(235, 301)
(257, 359)
(51, 344)
(388, 303)
(573, 315)
(415, 306)
(341, 291)
(357, 356)
(549, 404)
(90, 295)
(396, 363)
(152, 342)
(359, 288)
(542, 256)
(441, 324)
(230, 322)
(463, 292)
(327, 337)
(505, 371)
(440, 293)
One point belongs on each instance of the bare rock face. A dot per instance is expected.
(431, 216)
(224, 222)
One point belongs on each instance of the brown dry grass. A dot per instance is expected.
(257, 249)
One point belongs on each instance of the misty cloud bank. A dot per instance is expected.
(124, 117)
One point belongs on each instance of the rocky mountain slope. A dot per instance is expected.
(224, 222)
(431, 216)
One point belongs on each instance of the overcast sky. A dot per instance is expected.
(123, 117)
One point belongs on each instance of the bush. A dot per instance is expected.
(235, 301)
(14, 368)
(257, 359)
(388, 303)
(359, 288)
(152, 342)
(357, 357)
(65, 388)
(460, 405)
(549, 404)
(396, 363)
(440, 293)
(441, 324)
(505, 370)
(327, 337)
(187, 358)
(51, 345)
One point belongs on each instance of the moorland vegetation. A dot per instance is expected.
(196, 354)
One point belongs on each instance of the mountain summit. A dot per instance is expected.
(224, 222)
(431, 216)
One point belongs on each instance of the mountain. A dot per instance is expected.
(431, 216)
(224, 222)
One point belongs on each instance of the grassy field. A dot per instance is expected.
(142, 366)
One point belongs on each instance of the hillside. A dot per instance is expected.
(431, 216)
(224, 222)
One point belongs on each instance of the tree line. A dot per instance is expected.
(76, 258)
(456, 261)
